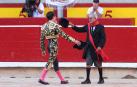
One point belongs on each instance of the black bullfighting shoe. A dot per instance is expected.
(43, 82)
(86, 82)
(101, 81)
(64, 82)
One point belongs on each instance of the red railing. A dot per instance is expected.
(77, 21)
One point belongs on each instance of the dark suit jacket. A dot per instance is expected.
(98, 36)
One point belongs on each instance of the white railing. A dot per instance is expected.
(66, 64)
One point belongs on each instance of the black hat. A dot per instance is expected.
(96, 1)
(83, 44)
(64, 22)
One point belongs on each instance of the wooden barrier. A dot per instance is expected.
(18, 44)
(77, 21)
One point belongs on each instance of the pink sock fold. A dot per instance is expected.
(43, 74)
(59, 75)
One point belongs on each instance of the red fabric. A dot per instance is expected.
(101, 52)
(94, 23)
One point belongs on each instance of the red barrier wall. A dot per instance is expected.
(22, 21)
(23, 45)
(105, 21)
(78, 21)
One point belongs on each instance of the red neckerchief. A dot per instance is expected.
(104, 56)
(94, 23)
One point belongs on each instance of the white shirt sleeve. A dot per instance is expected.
(36, 13)
(90, 10)
(41, 7)
(100, 10)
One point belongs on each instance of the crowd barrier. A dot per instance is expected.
(77, 21)
(21, 43)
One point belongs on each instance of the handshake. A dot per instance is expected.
(65, 23)
(77, 42)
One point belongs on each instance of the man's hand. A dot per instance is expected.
(98, 49)
(95, 8)
(77, 42)
(43, 53)
(36, 6)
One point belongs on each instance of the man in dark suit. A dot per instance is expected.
(90, 53)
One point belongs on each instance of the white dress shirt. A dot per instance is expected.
(36, 13)
(91, 11)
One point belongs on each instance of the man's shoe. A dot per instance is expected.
(101, 81)
(86, 82)
(43, 82)
(64, 82)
